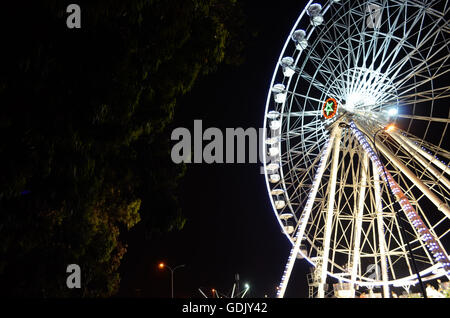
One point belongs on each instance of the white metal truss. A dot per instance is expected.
(383, 62)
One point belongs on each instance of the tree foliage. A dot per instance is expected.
(84, 141)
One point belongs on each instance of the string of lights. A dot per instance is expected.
(429, 152)
(305, 214)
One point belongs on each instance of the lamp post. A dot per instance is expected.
(399, 218)
(162, 265)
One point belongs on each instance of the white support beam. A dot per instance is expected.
(412, 177)
(330, 211)
(359, 217)
(418, 156)
(380, 228)
(306, 213)
(397, 136)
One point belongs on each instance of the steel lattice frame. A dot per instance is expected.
(329, 196)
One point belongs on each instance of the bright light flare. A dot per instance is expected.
(390, 128)
(161, 265)
(358, 100)
(393, 112)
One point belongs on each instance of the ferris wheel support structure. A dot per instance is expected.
(359, 217)
(381, 234)
(305, 216)
(330, 212)
(430, 159)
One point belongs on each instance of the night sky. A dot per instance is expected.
(230, 225)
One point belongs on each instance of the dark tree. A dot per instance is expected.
(84, 130)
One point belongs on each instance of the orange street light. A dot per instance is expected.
(162, 265)
(390, 128)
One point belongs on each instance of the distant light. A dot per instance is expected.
(161, 265)
(390, 128)
(247, 286)
(393, 112)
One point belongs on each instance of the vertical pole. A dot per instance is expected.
(171, 281)
(359, 217)
(330, 212)
(381, 237)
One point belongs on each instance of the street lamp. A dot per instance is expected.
(247, 287)
(162, 265)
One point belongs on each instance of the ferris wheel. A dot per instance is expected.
(356, 136)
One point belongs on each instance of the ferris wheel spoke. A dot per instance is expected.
(433, 69)
(310, 113)
(420, 38)
(327, 74)
(425, 96)
(305, 97)
(421, 70)
(425, 118)
(313, 81)
(338, 49)
(386, 38)
(394, 71)
(388, 60)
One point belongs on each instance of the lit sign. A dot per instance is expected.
(329, 108)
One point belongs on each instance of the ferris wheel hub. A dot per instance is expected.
(359, 100)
